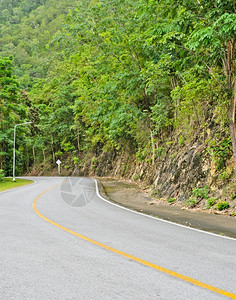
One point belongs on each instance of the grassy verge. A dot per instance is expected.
(8, 184)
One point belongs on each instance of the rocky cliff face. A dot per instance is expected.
(180, 168)
(204, 160)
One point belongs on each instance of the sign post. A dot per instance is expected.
(59, 166)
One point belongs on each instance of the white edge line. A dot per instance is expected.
(19, 187)
(159, 219)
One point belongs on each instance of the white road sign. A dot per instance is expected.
(59, 169)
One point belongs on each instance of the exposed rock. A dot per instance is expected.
(174, 174)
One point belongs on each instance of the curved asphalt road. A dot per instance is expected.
(39, 260)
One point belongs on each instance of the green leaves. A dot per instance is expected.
(12, 110)
(113, 74)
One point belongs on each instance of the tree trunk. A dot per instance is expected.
(228, 68)
(28, 160)
(78, 140)
(53, 153)
(44, 156)
(34, 155)
(233, 141)
(231, 114)
(1, 158)
(153, 148)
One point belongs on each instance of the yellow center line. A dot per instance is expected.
(139, 260)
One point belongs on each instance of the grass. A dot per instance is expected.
(8, 184)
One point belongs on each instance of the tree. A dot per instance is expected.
(197, 37)
(215, 37)
(11, 111)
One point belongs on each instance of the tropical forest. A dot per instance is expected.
(143, 90)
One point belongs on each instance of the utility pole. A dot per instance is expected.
(14, 148)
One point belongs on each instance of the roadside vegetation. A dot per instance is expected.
(7, 183)
(138, 77)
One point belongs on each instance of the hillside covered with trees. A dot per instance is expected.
(141, 89)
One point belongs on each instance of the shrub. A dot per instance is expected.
(191, 202)
(94, 162)
(226, 174)
(149, 160)
(58, 153)
(136, 177)
(170, 200)
(221, 152)
(181, 140)
(222, 205)
(75, 160)
(210, 202)
(201, 193)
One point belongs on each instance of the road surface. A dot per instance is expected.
(60, 240)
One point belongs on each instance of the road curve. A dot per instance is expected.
(53, 248)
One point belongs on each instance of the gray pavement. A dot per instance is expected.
(41, 261)
(129, 195)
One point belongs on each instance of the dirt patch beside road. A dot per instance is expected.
(131, 196)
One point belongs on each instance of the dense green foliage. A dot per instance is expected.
(26, 29)
(12, 109)
(113, 75)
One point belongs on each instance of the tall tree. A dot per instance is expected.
(11, 110)
(197, 37)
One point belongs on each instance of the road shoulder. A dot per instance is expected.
(129, 195)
